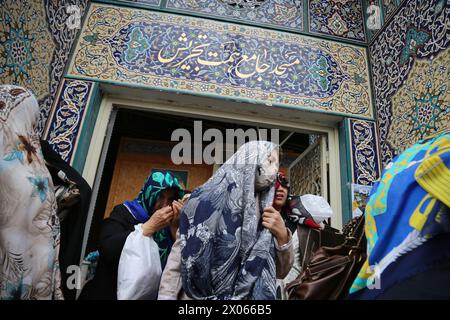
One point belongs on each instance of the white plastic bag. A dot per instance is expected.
(317, 206)
(139, 268)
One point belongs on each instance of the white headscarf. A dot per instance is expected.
(29, 227)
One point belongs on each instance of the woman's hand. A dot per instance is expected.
(177, 205)
(160, 219)
(273, 221)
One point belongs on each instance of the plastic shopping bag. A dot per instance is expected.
(309, 210)
(139, 268)
(317, 206)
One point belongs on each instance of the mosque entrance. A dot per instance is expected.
(137, 140)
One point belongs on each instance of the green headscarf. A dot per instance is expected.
(143, 206)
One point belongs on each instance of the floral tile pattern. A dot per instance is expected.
(275, 13)
(173, 52)
(389, 7)
(24, 35)
(421, 106)
(339, 18)
(35, 42)
(364, 151)
(410, 60)
(67, 116)
(149, 2)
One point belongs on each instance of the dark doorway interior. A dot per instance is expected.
(157, 127)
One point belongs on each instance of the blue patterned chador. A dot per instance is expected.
(226, 253)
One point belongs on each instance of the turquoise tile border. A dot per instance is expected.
(86, 132)
(346, 168)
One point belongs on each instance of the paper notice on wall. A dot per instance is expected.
(360, 197)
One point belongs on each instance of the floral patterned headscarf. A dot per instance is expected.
(225, 251)
(29, 226)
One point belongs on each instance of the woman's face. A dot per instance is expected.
(281, 195)
(166, 198)
(267, 173)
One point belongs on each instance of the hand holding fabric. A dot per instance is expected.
(273, 221)
(177, 206)
(159, 220)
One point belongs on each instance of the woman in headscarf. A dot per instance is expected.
(281, 203)
(294, 214)
(29, 226)
(157, 208)
(233, 242)
(407, 226)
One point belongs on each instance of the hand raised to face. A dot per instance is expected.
(177, 205)
(272, 220)
(160, 219)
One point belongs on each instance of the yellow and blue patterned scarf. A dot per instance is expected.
(408, 205)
